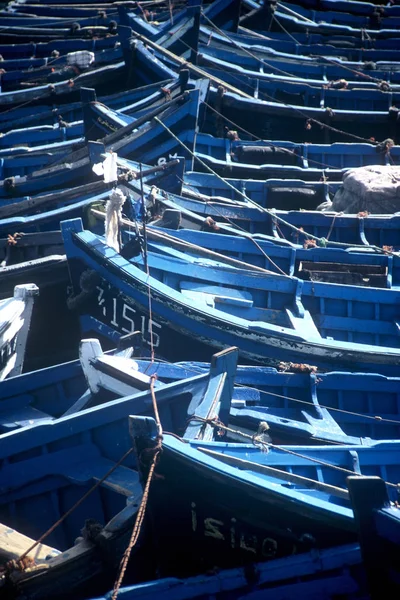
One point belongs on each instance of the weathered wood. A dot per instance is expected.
(13, 544)
(278, 473)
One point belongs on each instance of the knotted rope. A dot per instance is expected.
(143, 505)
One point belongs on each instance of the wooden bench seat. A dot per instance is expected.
(214, 295)
(21, 417)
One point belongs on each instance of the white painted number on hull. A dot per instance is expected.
(125, 318)
(162, 160)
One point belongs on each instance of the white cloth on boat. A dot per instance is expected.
(113, 217)
(82, 59)
(373, 189)
(108, 168)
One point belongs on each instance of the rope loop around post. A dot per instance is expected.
(143, 505)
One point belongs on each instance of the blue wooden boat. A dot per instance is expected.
(378, 522)
(15, 318)
(45, 395)
(31, 250)
(55, 60)
(143, 139)
(45, 49)
(24, 141)
(298, 407)
(295, 18)
(239, 503)
(66, 3)
(18, 78)
(54, 11)
(276, 64)
(19, 163)
(350, 6)
(208, 195)
(36, 257)
(343, 44)
(314, 75)
(223, 13)
(101, 76)
(39, 212)
(333, 17)
(356, 265)
(327, 573)
(352, 265)
(37, 206)
(22, 23)
(275, 120)
(312, 45)
(340, 411)
(87, 29)
(49, 31)
(364, 19)
(267, 314)
(280, 65)
(290, 225)
(67, 119)
(287, 194)
(249, 159)
(20, 160)
(80, 451)
(25, 63)
(71, 113)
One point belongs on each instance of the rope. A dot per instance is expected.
(375, 418)
(143, 505)
(148, 279)
(195, 248)
(227, 183)
(271, 144)
(235, 90)
(360, 73)
(331, 227)
(78, 503)
(282, 27)
(189, 65)
(238, 227)
(269, 98)
(246, 51)
(257, 440)
(263, 61)
(257, 206)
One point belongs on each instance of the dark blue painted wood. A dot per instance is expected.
(124, 142)
(49, 467)
(277, 327)
(313, 44)
(264, 159)
(275, 119)
(304, 576)
(378, 523)
(328, 23)
(236, 502)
